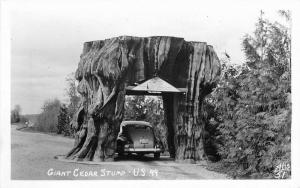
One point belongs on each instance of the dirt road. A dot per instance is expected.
(33, 159)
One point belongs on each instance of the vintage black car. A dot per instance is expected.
(138, 137)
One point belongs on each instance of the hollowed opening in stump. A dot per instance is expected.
(150, 109)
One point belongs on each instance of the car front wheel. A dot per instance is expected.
(156, 155)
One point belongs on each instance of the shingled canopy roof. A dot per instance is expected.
(154, 85)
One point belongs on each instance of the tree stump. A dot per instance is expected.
(108, 66)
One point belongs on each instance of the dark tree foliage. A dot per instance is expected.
(211, 122)
(63, 126)
(252, 104)
(47, 120)
(15, 114)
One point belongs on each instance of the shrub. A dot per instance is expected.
(253, 105)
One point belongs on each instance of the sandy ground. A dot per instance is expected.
(33, 159)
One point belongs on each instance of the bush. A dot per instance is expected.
(23, 119)
(256, 124)
(253, 106)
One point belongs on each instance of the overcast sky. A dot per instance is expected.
(47, 37)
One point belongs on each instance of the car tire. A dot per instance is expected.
(121, 154)
(156, 155)
(140, 155)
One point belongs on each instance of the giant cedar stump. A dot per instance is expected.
(108, 66)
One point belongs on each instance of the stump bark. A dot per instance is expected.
(108, 66)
